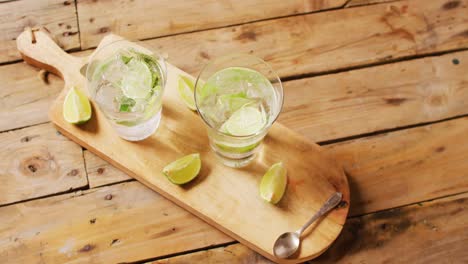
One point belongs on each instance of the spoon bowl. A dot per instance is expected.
(286, 245)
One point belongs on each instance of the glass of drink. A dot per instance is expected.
(239, 97)
(127, 82)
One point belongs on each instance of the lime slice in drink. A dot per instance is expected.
(273, 184)
(153, 105)
(137, 81)
(234, 101)
(184, 169)
(237, 149)
(207, 89)
(245, 121)
(76, 107)
(185, 90)
(241, 74)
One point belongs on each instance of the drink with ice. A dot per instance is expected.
(127, 82)
(239, 97)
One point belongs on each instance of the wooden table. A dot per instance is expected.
(380, 84)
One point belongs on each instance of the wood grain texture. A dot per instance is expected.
(402, 167)
(58, 16)
(363, 237)
(353, 3)
(100, 172)
(377, 98)
(38, 161)
(120, 223)
(235, 190)
(430, 232)
(24, 96)
(236, 253)
(359, 249)
(328, 41)
(176, 16)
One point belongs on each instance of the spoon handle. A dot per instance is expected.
(333, 201)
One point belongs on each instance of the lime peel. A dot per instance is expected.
(238, 150)
(186, 89)
(183, 170)
(76, 107)
(273, 183)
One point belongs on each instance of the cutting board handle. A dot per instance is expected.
(40, 50)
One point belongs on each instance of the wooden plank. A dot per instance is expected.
(38, 161)
(100, 172)
(119, 223)
(328, 41)
(176, 16)
(431, 232)
(377, 98)
(58, 16)
(407, 166)
(25, 97)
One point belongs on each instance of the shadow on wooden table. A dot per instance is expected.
(364, 233)
(349, 237)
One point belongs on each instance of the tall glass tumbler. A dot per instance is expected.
(127, 82)
(238, 97)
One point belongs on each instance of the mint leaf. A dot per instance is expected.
(126, 104)
(155, 78)
(124, 108)
(126, 59)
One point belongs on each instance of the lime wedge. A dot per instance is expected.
(273, 183)
(184, 169)
(76, 107)
(185, 89)
(137, 81)
(245, 121)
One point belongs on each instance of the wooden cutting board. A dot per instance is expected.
(224, 197)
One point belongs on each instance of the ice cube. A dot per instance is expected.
(140, 106)
(115, 71)
(108, 97)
